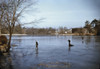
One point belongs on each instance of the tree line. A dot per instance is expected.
(36, 31)
(91, 27)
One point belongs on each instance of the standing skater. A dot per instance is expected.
(36, 44)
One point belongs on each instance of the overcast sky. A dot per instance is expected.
(65, 13)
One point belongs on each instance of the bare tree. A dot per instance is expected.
(10, 11)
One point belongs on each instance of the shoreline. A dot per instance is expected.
(72, 34)
(14, 34)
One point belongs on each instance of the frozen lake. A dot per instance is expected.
(53, 53)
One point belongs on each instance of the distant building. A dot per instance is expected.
(68, 31)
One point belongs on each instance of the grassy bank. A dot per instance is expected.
(77, 34)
